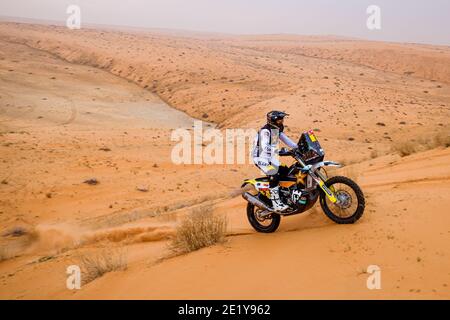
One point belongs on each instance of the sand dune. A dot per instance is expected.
(313, 258)
(101, 104)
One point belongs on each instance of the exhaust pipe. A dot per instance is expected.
(256, 202)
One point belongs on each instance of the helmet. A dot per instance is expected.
(273, 118)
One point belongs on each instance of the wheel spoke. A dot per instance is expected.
(264, 222)
(346, 194)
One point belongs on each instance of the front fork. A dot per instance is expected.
(320, 179)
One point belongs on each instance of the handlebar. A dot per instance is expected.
(295, 153)
(284, 152)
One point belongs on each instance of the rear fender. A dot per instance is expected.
(261, 186)
(249, 181)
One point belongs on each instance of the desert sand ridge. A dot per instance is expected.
(172, 68)
(85, 125)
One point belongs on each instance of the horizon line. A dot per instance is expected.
(192, 32)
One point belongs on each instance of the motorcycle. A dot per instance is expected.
(341, 199)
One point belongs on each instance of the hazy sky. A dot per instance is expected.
(401, 20)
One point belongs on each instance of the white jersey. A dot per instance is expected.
(265, 146)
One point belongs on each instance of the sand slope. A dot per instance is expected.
(68, 114)
(404, 233)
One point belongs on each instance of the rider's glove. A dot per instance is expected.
(283, 152)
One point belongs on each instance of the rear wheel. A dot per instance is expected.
(267, 224)
(351, 202)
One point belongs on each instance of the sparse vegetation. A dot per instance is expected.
(5, 253)
(200, 229)
(94, 266)
(407, 148)
(374, 154)
(352, 172)
(15, 232)
(91, 181)
(441, 140)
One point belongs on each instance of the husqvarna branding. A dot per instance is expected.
(296, 195)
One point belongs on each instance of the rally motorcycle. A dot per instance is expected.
(340, 198)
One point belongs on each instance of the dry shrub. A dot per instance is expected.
(94, 266)
(352, 172)
(374, 154)
(351, 161)
(16, 231)
(5, 253)
(441, 140)
(200, 229)
(407, 148)
(15, 241)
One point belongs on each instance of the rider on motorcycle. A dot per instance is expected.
(265, 154)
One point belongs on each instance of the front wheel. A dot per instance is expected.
(265, 225)
(351, 202)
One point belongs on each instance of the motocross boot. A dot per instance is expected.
(277, 204)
